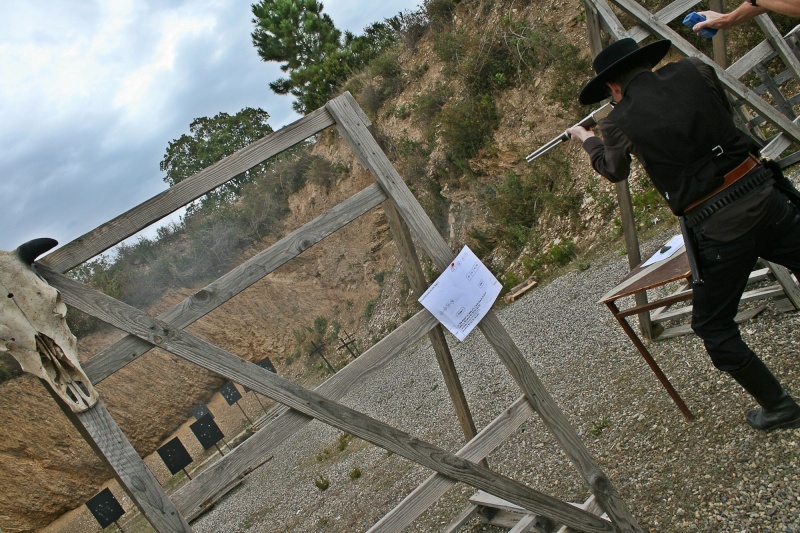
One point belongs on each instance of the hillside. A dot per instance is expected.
(353, 278)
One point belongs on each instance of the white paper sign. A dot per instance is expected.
(462, 295)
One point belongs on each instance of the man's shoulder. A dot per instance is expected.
(688, 65)
(686, 62)
(696, 62)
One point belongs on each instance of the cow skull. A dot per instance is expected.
(33, 327)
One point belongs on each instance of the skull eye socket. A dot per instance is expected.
(72, 395)
(10, 294)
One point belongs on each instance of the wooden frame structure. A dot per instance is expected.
(752, 107)
(409, 224)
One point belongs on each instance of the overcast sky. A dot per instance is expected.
(91, 93)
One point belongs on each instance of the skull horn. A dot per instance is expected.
(29, 251)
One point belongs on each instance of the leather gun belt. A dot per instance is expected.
(738, 182)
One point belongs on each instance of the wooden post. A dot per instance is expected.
(593, 25)
(614, 27)
(104, 436)
(632, 246)
(408, 255)
(718, 42)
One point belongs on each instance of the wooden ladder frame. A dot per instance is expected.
(409, 224)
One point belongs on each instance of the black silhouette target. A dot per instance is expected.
(200, 411)
(207, 431)
(105, 508)
(230, 393)
(175, 456)
(266, 363)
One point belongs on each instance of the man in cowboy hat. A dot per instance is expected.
(677, 122)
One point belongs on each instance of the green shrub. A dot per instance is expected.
(648, 206)
(429, 104)
(410, 26)
(433, 202)
(440, 12)
(451, 48)
(481, 243)
(562, 253)
(369, 309)
(411, 160)
(343, 441)
(517, 203)
(511, 280)
(322, 482)
(465, 126)
(606, 201)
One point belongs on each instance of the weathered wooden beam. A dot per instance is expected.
(461, 519)
(774, 90)
(593, 24)
(101, 432)
(355, 132)
(779, 44)
(763, 51)
(191, 498)
(632, 248)
(366, 149)
(136, 219)
(557, 423)
(310, 403)
(237, 280)
(608, 20)
(524, 524)
(676, 9)
(426, 494)
(789, 285)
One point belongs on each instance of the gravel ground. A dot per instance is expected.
(712, 474)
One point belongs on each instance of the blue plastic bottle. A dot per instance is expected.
(693, 18)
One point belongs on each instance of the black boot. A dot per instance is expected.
(779, 411)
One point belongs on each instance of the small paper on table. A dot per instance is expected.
(672, 246)
(462, 295)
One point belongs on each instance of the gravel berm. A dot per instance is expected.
(713, 474)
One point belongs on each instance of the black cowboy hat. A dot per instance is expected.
(620, 54)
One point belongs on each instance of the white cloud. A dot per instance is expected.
(93, 91)
(141, 91)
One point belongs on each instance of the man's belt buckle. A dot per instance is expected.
(717, 151)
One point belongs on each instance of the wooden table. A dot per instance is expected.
(638, 280)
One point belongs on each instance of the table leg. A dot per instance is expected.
(650, 361)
